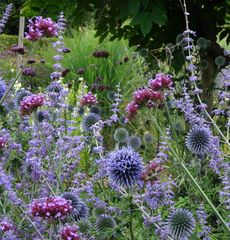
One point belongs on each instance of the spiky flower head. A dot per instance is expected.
(31, 103)
(2, 88)
(29, 72)
(181, 224)
(52, 208)
(82, 212)
(124, 166)
(69, 233)
(198, 140)
(55, 87)
(220, 61)
(148, 138)
(20, 95)
(121, 135)
(75, 201)
(88, 121)
(84, 226)
(104, 222)
(134, 142)
(95, 109)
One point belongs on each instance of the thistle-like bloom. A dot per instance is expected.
(121, 135)
(55, 87)
(95, 109)
(69, 233)
(198, 140)
(43, 115)
(41, 27)
(88, 99)
(181, 224)
(20, 95)
(31, 103)
(51, 208)
(148, 138)
(134, 142)
(88, 121)
(124, 167)
(101, 54)
(81, 212)
(5, 16)
(2, 88)
(105, 221)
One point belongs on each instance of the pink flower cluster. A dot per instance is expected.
(150, 96)
(41, 27)
(69, 233)
(5, 226)
(31, 103)
(88, 99)
(51, 208)
(2, 142)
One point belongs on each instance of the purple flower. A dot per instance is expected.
(101, 54)
(202, 218)
(2, 88)
(5, 16)
(124, 166)
(29, 72)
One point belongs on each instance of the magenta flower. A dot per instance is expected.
(132, 109)
(88, 99)
(29, 72)
(2, 142)
(161, 81)
(51, 208)
(69, 233)
(141, 95)
(6, 226)
(31, 103)
(41, 27)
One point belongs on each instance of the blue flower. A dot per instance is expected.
(134, 142)
(124, 166)
(20, 95)
(181, 224)
(198, 140)
(88, 121)
(104, 222)
(2, 88)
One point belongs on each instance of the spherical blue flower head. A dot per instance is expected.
(124, 167)
(198, 140)
(2, 88)
(89, 120)
(20, 95)
(134, 142)
(82, 212)
(43, 116)
(75, 200)
(105, 221)
(54, 87)
(181, 224)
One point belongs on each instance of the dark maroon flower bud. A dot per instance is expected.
(17, 49)
(65, 72)
(81, 71)
(31, 61)
(42, 61)
(66, 50)
(126, 59)
(101, 54)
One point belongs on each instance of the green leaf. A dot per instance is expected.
(138, 18)
(133, 6)
(146, 27)
(145, 2)
(159, 13)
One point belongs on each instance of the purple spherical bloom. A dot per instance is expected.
(198, 140)
(124, 167)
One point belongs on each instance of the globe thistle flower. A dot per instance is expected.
(41, 27)
(75, 202)
(95, 109)
(84, 226)
(52, 208)
(101, 54)
(43, 115)
(88, 99)
(121, 135)
(88, 121)
(220, 61)
(111, 96)
(81, 212)
(134, 142)
(148, 138)
(198, 140)
(55, 87)
(202, 42)
(2, 88)
(30, 72)
(69, 233)
(181, 224)
(31, 103)
(124, 167)
(104, 222)
(20, 95)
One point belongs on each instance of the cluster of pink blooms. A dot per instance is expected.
(51, 208)
(88, 99)
(41, 27)
(5, 226)
(150, 96)
(2, 142)
(69, 233)
(31, 103)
